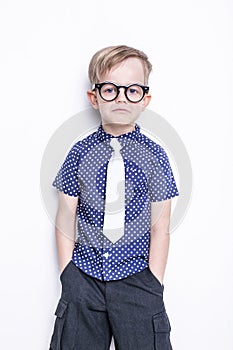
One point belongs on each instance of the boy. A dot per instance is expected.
(112, 270)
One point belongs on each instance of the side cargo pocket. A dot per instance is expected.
(59, 324)
(162, 331)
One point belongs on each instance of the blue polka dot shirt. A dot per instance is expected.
(148, 178)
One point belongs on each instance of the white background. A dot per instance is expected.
(45, 50)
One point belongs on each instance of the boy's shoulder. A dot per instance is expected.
(152, 145)
(86, 142)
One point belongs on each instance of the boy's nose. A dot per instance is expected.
(121, 97)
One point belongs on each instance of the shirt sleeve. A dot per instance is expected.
(66, 180)
(162, 185)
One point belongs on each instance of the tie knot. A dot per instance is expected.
(115, 144)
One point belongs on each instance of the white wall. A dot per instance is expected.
(45, 50)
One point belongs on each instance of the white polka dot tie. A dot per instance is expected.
(114, 214)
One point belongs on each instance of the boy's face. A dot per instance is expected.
(121, 111)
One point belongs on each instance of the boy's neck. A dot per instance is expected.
(118, 129)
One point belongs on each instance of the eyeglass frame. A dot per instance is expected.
(126, 87)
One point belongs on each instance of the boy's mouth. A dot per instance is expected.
(121, 110)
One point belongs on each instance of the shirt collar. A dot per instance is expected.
(124, 139)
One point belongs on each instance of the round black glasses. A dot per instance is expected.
(110, 91)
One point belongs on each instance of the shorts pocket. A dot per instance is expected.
(155, 279)
(65, 268)
(162, 331)
(60, 312)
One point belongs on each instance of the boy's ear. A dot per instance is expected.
(91, 95)
(146, 101)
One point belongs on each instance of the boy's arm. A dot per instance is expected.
(65, 228)
(159, 237)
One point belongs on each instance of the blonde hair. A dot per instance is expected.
(105, 59)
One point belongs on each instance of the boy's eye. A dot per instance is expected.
(109, 90)
(133, 91)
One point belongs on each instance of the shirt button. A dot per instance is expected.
(106, 255)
